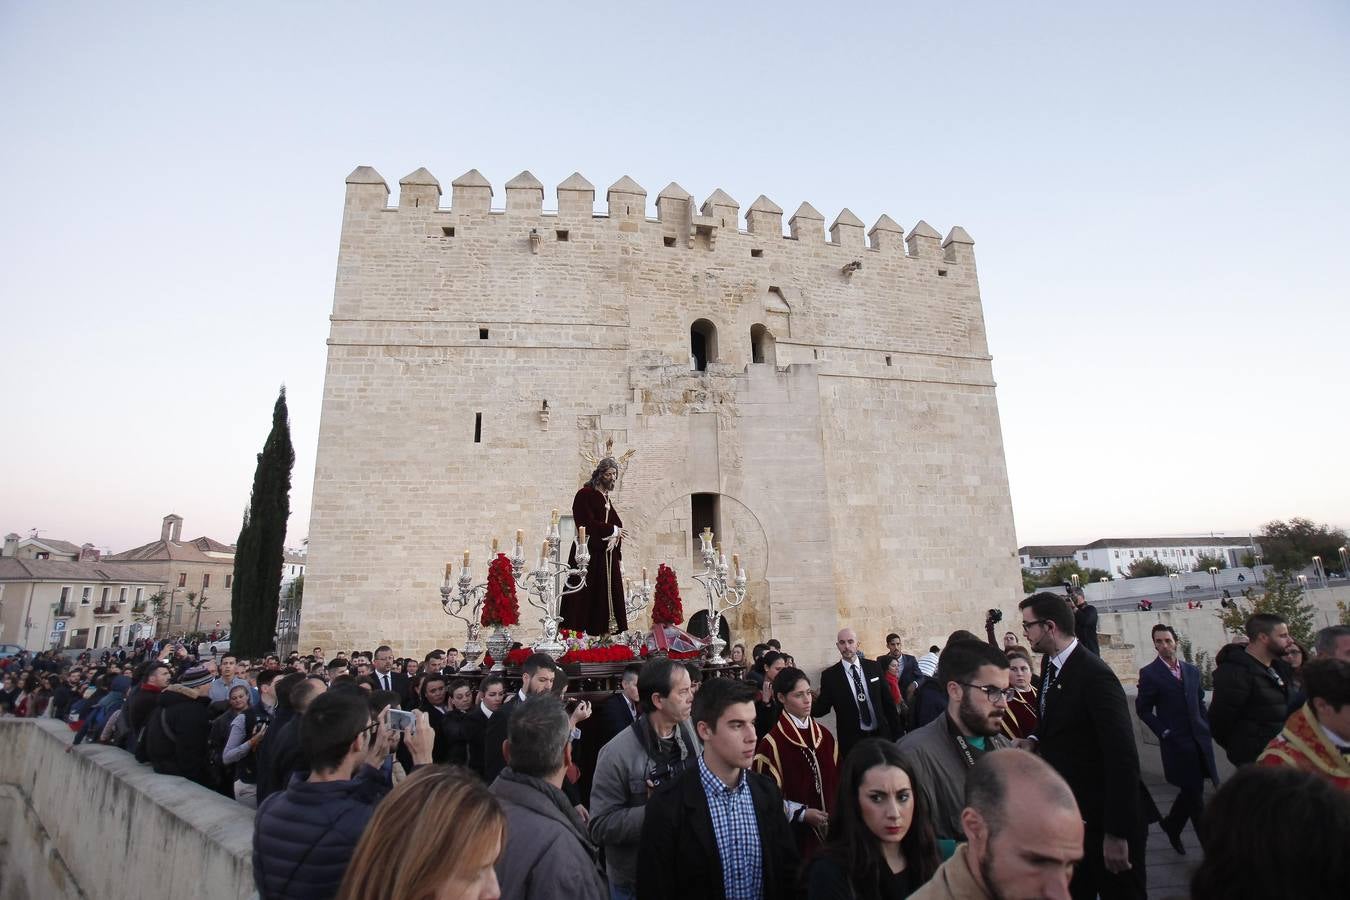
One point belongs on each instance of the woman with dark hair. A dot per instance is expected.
(880, 844)
(1296, 656)
(801, 756)
(1274, 832)
(434, 700)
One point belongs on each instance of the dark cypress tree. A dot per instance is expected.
(260, 551)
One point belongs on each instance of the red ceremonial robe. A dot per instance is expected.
(805, 766)
(589, 609)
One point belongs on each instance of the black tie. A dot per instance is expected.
(1051, 670)
(864, 714)
(385, 676)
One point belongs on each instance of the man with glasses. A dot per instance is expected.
(975, 678)
(1087, 735)
(304, 836)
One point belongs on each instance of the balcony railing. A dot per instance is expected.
(109, 610)
(65, 610)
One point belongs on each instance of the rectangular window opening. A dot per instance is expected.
(756, 254)
(563, 234)
(888, 360)
(448, 230)
(942, 273)
(482, 334)
(668, 241)
(478, 428)
(815, 354)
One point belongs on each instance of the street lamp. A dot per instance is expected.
(1319, 570)
(1172, 578)
(1214, 579)
(1303, 583)
(1345, 562)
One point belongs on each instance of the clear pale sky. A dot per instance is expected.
(1158, 193)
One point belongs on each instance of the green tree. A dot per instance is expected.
(198, 603)
(1029, 582)
(260, 551)
(1147, 567)
(1201, 661)
(1290, 546)
(1284, 597)
(1204, 563)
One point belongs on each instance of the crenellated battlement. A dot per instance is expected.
(682, 221)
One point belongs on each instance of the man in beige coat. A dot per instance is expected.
(1024, 831)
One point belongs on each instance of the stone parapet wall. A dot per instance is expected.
(95, 823)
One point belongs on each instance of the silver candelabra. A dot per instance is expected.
(722, 595)
(467, 598)
(550, 581)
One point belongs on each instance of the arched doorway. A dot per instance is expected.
(702, 345)
(762, 346)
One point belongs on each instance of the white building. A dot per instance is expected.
(1038, 558)
(1177, 553)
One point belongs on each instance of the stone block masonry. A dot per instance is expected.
(839, 408)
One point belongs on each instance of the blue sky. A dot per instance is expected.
(1157, 193)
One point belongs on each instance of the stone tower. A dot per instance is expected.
(826, 405)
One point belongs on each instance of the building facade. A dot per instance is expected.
(827, 407)
(47, 603)
(203, 567)
(1114, 555)
(1037, 559)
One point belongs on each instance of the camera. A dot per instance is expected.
(995, 615)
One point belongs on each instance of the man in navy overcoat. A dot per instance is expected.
(1171, 703)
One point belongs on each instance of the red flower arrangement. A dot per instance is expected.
(500, 606)
(674, 654)
(666, 607)
(514, 658)
(612, 653)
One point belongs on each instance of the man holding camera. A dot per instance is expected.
(651, 752)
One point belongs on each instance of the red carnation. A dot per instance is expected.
(666, 608)
(500, 606)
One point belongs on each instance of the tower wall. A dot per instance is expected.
(861, 468)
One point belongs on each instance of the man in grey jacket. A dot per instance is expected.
(975, 678)
(643, 759)
(548, 854)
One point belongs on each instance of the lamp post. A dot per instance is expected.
(1172, 578)
(1320, 571)
(1256, 570)
(1345, 562)
(1303, 583)
(1214, 579)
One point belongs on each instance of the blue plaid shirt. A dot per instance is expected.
(737, 832)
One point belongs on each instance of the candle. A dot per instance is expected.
(520, 536)
(448, 569)
(741, 574)
(494, 547)
(466, 559)
(543, 554)
(736, 561)
(554, 520)
(581, 535)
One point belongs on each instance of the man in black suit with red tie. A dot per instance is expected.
(1087, 735)
(855, 690)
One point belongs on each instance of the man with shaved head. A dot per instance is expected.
(855, 690)
(1023, 830)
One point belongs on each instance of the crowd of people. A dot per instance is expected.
(986, 768)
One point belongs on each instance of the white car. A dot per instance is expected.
(214, 648)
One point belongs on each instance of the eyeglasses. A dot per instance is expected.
(1027, 625)
(995, 694)
(370, 729)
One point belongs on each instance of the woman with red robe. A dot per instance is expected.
(802, 758)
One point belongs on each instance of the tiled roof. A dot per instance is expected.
(1047, 550)
(65, 547)
(211, 545)
(12, 569)
(1168, 542)
(164, 550)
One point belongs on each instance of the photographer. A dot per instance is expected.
(644, 759)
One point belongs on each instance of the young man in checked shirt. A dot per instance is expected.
(720, 833)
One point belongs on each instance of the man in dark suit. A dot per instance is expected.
(909, 666)
(389, 680)
(718, 830)
(1084, 620)
(1086, 734)
(854, 689)
(620, 711)
(1171, 703)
